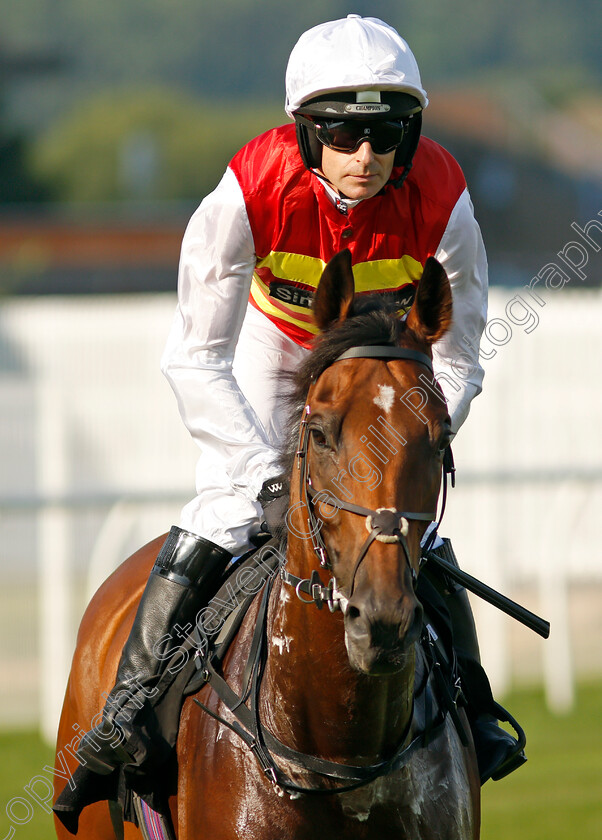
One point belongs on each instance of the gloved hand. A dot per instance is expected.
(273, 498)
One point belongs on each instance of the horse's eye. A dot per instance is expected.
(318, 438)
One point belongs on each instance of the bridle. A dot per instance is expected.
(383, 524)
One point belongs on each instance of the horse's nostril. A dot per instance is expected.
(353, 613)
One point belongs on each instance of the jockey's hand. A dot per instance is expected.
(273, 498)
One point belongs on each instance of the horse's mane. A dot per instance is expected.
(372, 321)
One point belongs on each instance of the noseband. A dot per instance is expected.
(383, 524)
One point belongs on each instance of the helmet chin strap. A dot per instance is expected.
(342, 201)
(319, 174)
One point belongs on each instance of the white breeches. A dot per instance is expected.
(220, 512)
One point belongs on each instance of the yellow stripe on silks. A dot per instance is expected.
(296, 267)
(374, 275)
(379, 275)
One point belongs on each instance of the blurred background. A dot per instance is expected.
(116, 118)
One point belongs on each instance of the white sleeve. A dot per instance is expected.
(456, 355)
(216, 268)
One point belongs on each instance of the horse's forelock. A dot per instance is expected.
(372, 322)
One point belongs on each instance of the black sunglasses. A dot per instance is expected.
(348, 135)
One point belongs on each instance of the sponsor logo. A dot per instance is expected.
(367, 107)
(401, 298)
(291, 294)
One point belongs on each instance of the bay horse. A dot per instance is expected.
(336, 686)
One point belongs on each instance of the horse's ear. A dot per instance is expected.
(431, 314)
(335, 291)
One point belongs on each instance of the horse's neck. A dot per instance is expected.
(312, 698)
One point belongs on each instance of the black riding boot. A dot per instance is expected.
(185, 576)
(498, 753)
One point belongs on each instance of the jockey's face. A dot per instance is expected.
(359, 174)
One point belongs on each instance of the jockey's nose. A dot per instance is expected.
(365, 152)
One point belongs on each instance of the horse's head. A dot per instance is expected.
(374, 431)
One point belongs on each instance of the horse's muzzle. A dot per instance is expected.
(378, 637)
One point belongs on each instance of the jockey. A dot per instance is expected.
(353, 171)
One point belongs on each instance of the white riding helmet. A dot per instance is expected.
(354, 69)
(351, 54)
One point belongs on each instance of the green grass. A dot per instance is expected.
(22, 758)
(557, 795)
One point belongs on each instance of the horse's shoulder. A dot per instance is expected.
(232, 663)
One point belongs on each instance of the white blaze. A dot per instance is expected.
(384, 400)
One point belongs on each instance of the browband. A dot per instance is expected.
(377, 351)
